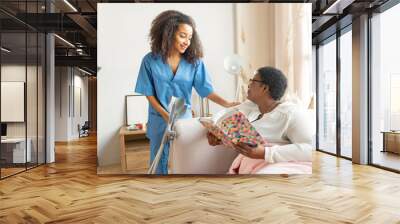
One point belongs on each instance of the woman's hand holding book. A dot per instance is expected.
(213, 140)
(254, 152)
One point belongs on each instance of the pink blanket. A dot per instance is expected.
(245, 165)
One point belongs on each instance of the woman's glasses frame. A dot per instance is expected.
(255, 80)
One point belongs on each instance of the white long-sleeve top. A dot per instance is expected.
(287, 128)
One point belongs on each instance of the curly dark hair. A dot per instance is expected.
(162, 35)
(275, 80)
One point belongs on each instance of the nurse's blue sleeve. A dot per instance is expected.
(202, 81)
(144, 82)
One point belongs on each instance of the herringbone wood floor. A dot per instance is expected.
(69, 191)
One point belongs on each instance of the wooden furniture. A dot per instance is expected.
(134, 149)
(391, 141)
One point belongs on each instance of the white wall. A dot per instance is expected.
(123, 41)
(33, 127)
(61, 103)
(67, 81)
(15, 72)
(79, 117)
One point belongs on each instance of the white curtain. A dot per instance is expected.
(277, 35)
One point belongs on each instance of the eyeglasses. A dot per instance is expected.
(255, 80)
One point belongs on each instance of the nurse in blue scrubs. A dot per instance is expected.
(172, 68)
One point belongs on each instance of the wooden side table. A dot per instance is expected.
(391, 141)
(134, 149)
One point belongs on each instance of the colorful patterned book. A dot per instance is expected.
(233, 127)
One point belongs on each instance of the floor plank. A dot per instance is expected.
(70, 191)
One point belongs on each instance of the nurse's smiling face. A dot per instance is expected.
(183, 36)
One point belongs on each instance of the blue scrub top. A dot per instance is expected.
(157, 79)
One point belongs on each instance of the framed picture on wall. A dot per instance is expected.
(12, 101)
(136, 109)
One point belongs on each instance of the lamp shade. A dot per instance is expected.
(233, 64)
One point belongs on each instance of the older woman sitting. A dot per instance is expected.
(283, 125)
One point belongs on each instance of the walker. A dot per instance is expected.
(178, 108)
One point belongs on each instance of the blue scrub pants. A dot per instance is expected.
(155, 143)
(155, 130)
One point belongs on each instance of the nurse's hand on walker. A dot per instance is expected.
(157, 106)
(165, 116)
